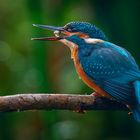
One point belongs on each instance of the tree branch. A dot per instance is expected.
(21, 102)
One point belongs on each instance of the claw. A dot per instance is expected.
(130, 113)
(95, 94)
(80, 111)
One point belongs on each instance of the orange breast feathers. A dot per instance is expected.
(84, 77)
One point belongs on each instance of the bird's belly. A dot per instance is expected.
(87, 80)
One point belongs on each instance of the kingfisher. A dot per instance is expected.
(108, 69)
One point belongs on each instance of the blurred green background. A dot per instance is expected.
(34, 66)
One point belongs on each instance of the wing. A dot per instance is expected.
(112, 69)
(121, 51)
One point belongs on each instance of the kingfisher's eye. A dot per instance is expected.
(69, 29)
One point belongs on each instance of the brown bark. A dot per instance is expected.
(21, 102)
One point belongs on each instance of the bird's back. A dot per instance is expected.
(111, 67)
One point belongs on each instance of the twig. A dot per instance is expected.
(21, 102)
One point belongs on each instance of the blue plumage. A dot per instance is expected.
(137, 91)
(86, 28)
(113, 69)
(136, 108)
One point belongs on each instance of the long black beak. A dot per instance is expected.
(52, 28)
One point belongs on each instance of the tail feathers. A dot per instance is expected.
(136, 113)
(137, 91)
(136, 109)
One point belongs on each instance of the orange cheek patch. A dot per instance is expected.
(68, 33)
(81, 35)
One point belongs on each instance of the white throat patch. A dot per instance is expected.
(93, 41)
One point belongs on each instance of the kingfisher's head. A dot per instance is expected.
(81, 29)
(74, 34)
(85, 29)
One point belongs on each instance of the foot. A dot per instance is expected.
(79, 110)
(95, 94)
(130, 113)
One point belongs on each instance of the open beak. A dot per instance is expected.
(57, 32)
